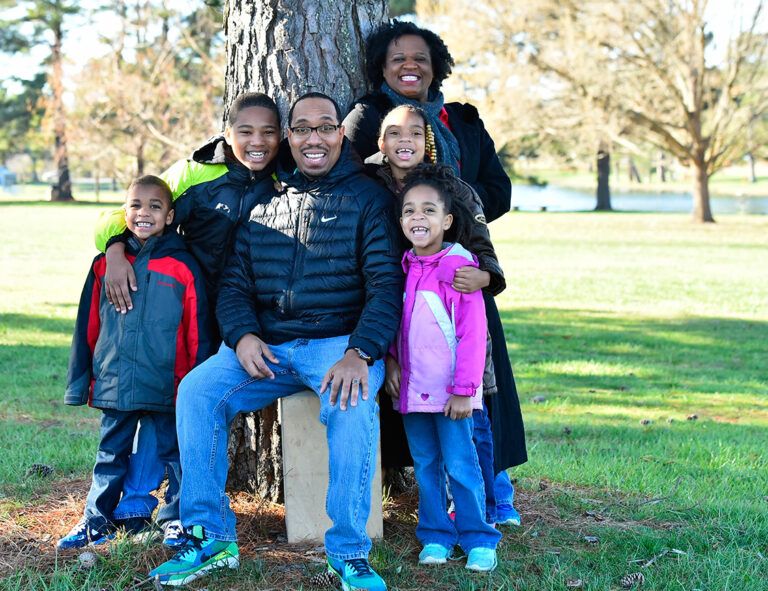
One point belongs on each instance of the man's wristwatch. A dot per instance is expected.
(362, 355)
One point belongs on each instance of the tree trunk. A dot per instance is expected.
(286, 48)
(140, 162)
(35, 176)
(752, 172)
(97, 182)
(603, 177)
(62, 189)
(662, 167)
(634, 174)
(701, 208)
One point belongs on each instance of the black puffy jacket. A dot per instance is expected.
(318, 260)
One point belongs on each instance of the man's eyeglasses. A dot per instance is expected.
(324, 130)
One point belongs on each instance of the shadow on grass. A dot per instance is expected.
(579, 350)
(29, 322)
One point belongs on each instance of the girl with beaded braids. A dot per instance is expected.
(405, 141)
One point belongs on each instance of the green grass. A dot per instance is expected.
(612, 318)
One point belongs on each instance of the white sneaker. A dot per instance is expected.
(173, 533)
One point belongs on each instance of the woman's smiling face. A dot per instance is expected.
(408, 67)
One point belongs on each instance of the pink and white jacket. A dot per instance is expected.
(441, 342)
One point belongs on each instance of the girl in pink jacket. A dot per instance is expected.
(440, 350)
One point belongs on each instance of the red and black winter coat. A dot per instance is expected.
(318, 260)
(480, 165)
(135, 361)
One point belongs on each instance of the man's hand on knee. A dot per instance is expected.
(347, 377)
(251, 351)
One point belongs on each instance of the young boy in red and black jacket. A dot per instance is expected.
(130, 365)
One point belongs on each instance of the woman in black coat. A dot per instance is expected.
(406, 65)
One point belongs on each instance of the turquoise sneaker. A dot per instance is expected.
(434, 554)
(356, 574)
(507, 515)
(481, 560)
(198, 557)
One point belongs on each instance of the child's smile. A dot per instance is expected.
(424, 220)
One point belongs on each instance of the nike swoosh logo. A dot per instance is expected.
(325, 219)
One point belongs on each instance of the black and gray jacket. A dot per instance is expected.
(320, 259)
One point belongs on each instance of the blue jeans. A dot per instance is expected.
(117, 432)
(440, 445)
(145, 474)
(213, 393)
(498, 487)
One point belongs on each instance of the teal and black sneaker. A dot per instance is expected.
(356, 575)
(198, 557)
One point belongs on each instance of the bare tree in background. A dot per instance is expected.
(286, 48)
(47, 18)
(646, 62)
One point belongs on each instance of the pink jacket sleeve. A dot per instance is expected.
(471, 328)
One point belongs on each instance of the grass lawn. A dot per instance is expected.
(620, 325)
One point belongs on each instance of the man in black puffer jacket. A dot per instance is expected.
(311, 298)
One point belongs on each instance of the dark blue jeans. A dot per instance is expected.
(498, 487)
(117, 432)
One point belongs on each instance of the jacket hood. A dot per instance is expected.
(450, 258)
(212, 151)
(349, 164)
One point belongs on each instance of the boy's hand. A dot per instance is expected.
(251, 351)
(458, 407)
(469, 279)
(119, 279)
(392, 378)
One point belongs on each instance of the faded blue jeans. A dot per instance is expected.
(441, 445)
(117, 433)
(145, 474)
(215, 392)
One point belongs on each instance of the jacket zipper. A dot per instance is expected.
(297, 253)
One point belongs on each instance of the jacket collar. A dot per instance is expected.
(452, 256)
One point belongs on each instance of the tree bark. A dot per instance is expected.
(603, 180)
(286, 48)
(701, 208)
(62, 189)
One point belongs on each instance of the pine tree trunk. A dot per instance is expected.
(603, 180)
(701, 208)
(286, 48)
(62, 189)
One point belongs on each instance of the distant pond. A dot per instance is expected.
(530, 198)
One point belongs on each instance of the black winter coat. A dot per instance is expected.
(317, 260)
(480, 165)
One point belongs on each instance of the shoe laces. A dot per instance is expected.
(174, 529)
(361, 566)
(191, 544)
